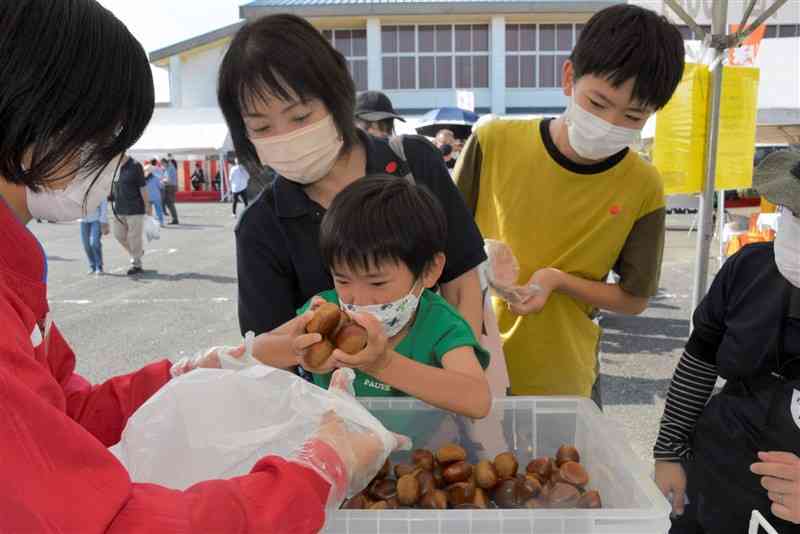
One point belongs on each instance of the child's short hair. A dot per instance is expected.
(382, 218)
(626, 41)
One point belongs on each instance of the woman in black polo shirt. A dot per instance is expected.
(288, 99)
(747, 331)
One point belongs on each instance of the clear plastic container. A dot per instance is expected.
(530, 427)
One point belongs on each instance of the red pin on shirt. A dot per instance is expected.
(391, 167)
(615, 209)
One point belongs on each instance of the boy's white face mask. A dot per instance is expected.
(593, 138)
(394, 316)
(787, 247)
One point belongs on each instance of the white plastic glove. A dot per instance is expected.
(347, 456)
(502, 272)
(218, 358)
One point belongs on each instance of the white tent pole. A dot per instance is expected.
(705, 226)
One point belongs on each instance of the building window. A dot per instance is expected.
(535, 53)
(353, 46)
(440, 56)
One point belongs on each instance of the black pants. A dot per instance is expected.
(237, 196)
(169, 202)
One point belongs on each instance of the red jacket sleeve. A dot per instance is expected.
(102, 409)
(56, 477)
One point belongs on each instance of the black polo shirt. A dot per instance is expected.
(127, 189)
(277, 240)
(737, 322)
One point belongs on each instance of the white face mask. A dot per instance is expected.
(393, 315)
(68, 204)
(305, 155)
(787, 247)
(592, 137)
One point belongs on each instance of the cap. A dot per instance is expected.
(778, 179)
(375, 106)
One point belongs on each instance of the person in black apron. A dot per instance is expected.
(747, 331)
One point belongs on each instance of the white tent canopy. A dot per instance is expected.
(184, 132)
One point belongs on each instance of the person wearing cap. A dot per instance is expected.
(375, 114)
(747, 331)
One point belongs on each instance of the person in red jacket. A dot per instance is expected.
(76, 93)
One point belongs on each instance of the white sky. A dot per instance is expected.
(160, 23)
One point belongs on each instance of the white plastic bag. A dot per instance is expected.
(152, 230)
(216, 424)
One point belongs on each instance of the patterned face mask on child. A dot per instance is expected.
(394, 316)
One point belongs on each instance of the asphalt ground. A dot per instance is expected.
(186, 301)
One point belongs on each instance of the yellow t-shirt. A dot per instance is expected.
(583, 220)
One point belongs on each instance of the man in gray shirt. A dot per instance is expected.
(170, 183)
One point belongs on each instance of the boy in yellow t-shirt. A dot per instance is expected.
(574, 203)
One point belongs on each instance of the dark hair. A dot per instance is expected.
(626, 41)
(382, 218)
(276, 53)
(446, 150)
(75, 82)
(154, 161)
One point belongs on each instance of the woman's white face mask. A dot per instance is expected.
(787, 247)
(305, 155)
(72, 202)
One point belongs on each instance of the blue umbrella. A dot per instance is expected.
(458, 120)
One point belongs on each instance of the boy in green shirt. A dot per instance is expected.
(383, 238)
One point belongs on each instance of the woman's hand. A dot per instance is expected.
(375, 357)
(671, 480)
(781, 478)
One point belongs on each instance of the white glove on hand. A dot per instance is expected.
(218, 358)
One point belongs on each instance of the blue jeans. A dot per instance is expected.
(91, 236)
(159, 210)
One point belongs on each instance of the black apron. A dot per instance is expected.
(749, 415)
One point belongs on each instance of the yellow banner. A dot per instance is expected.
(681, 128)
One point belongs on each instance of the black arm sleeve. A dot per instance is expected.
(266, 281)
(464, 242)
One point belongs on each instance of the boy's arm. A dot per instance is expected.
(279, 348)
(638, 265)
(444, 388)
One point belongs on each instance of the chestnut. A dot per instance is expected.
(506, 465)
(385, 470)
(325, 320)
(382, 490)
(590, 499)
(542, 468)
(527, 489)
(450, 453)
(438, 476)
(457, 472)
(402, 469)
(317, 354)
(467, 506)
(481, 500)
(567, 453)
(351, 338)
(408, 490)
(505, 494)
(426, 482)
(460, 493)
(573, 473)
(486, 476)
(357, 502)
(434, 500)
(563, 496)
(423, 458)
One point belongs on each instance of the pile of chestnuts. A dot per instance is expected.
(445, 480)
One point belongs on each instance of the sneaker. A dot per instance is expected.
(99, 271)
(90, 272)
(174, 222)
(135, 270)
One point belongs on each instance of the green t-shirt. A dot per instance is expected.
(437, 329)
